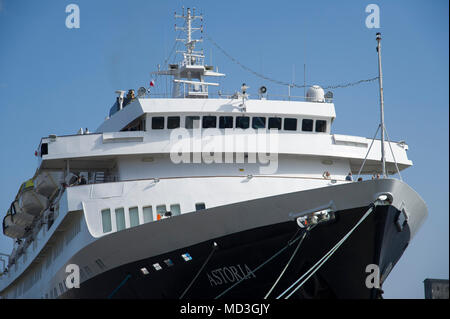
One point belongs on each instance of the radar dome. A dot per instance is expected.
(315, 94)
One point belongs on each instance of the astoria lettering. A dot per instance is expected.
(229, 274)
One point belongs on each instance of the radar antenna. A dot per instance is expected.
(192, 70)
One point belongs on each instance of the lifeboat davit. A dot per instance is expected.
(46, 183)
(29, 201)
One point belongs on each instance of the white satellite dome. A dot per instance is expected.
(315, 94)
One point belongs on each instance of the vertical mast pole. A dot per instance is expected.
(380, 81)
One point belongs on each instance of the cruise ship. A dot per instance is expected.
(204, 196)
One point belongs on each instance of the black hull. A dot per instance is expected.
(376, 241)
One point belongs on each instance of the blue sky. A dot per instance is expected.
(54, 80)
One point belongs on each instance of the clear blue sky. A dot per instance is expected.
(56, 80)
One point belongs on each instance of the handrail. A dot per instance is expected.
(209, 176)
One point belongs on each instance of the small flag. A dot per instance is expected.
(152, 83)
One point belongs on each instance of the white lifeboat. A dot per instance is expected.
(29, 201)
(19, 217)
(14, 224)
(46, 183)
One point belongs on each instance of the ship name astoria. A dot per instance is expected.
(229, 274)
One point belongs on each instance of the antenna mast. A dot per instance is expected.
(190, 73)
(380, 81)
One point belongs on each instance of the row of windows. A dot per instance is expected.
(243, 122)
(133, 214)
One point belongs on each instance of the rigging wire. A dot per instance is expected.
(290, 242)
(288, 263)
(215, 246)
(319, 264)
(337, 86)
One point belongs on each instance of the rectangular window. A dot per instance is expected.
(106, 220)
(225, 122)
(307, 125)
(290, 124)
(192, 122)
(120, 219)
(258, 122)
(209, 122)
(160, 211)
(157, 123)
(148, 214)
(200, 206)
(134, 216)
(173, 122)
(242, 122)
(275, 123)
(175, 209)
(321, 126)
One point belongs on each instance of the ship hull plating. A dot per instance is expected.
(235, 261)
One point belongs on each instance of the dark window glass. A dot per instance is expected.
(321, 126)
(192, 122)
(258, 122)
(158, 123)
(307, 125)
(44, 149)
(209, 122)
(275, 122)
(290, 124)
(173, 122)
(226, 122)
(242, 122)
(200, 206)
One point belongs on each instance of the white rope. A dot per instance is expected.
(319, 264)
(288, 263)
(261, 265)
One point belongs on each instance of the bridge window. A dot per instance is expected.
(137, 125)
(134, 216)
(200, 206)
(120, 219)
(258, 122)
(225, 122)
(321, 126)
(44, 149)
(290, 124)
(106, 220)
(192, 122)
(173, 122)
(307, 125)
(158, 123)
(275, 123)
(209, 122)
(148, 214)
(242, 122)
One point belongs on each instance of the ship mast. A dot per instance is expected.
(380, 81)
(191, 72)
